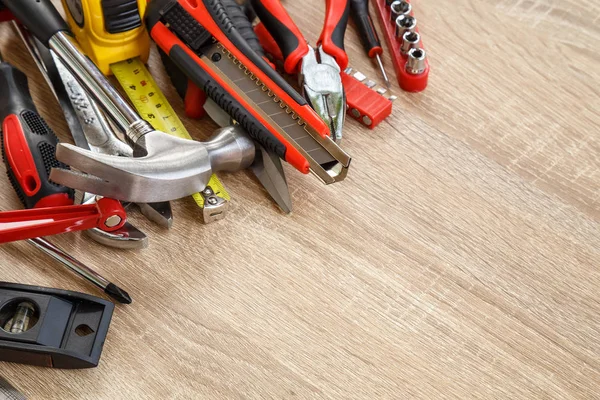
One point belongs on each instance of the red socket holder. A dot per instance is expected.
(407, 81)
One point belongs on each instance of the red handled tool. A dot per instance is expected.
(318, 69)
(193, 97)
(28, 144)
(107, 214)
(364, 104)
(200, 39)
(28, 149)
(291, 41)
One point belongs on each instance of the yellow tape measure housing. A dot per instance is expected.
(86, 18)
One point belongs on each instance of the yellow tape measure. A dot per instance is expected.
(151, 103)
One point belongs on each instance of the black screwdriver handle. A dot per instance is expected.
(39, 16)
(368, 35)
(28, 144)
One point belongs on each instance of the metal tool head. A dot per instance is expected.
(171, 168)
(269, 171)
(159, 213)
(127, 237)
(410, 40)
(96, 128)
(322, 87)
(415, 63)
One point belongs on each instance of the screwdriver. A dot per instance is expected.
(28, 150)
(359, 10)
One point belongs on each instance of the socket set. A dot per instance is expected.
(367, 105)
(406, 45)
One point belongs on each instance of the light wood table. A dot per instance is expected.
(459, 259)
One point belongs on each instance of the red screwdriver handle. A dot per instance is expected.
(281, 26)
(28, 144)
(334, 29)
(106, 214)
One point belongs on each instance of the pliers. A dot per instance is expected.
(318, 68)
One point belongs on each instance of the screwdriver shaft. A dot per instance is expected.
(385, 77)
(78, 267)
(73, 264)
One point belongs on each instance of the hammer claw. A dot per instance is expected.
(102, 165)
(85, 182)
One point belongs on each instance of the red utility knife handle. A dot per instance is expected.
(193, 97)
(28, 144)
(334, 29)
(107, 214)
(289, 38)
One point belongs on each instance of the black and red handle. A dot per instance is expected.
(359, 10)
(334, 29)
(281, 26)
(193, 97)
(28, 144)
(243, 24)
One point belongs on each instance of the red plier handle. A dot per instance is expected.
(337, 13)
(107, 214)
(281, 26)
(291, 41)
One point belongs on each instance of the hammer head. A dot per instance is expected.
(171, 168)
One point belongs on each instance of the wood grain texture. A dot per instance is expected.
(459, 259)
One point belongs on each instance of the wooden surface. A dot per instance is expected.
(459, 259)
